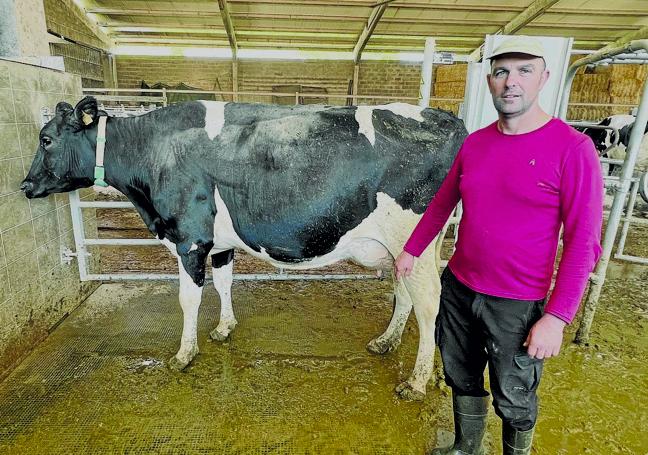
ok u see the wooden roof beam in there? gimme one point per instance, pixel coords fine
(530, 13)
(229, 26)
(363, 39)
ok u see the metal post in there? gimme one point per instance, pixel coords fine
(79, 235)
(628, 218)
(426, 73)
(582, 336)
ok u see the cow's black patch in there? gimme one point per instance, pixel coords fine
(222, 258)
(194, 262)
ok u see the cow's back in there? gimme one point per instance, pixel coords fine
(297, 178)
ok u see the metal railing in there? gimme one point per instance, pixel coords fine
(163, 97)
(627, 184)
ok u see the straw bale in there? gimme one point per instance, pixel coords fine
(630, 99)
(592, 113)
(450, 89)
(625, 88)
(619, 72)
(642, 72)
(451, 73)
(452, 106)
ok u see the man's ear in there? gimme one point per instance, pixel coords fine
(545, 78)
(86, 111)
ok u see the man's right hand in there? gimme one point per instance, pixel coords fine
(404, 264)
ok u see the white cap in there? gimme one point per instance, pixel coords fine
(520, 45)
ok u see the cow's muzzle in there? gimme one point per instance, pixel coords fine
(27, 187)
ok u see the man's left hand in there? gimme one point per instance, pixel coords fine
(545, 337)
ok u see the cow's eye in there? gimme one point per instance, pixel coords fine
(46, 141)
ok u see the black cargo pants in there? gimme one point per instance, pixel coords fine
(473, 330)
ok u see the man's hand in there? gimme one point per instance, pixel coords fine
(404, 264)
(545, 337)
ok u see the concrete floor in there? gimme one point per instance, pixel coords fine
(295, 378)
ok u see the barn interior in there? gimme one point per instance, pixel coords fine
(84, 352)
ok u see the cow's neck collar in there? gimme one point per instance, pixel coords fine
(99, 171)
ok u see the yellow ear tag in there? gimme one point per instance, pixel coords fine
(87, 118)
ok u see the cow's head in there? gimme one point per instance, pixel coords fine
(65, 156)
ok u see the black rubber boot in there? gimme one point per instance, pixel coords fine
(515, 442)
(470, 424)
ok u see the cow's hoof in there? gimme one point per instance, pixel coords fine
(220, 333)
(217, 336)
(406, 392)
(381, 346)
(177, 365)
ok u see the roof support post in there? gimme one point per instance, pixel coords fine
(356, 75)
(426, 73)
(235, 81)
(363, 39)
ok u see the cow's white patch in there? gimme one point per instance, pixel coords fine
(170, 246)
(619, 153)
(364, 115)
(190, 297)
(193, 247)
(364, 244)
(223, 278)
(225, 237)
(404, 110)
(214, 117)
(108, 190)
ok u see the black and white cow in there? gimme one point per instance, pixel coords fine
(604, 138)
(298, 186)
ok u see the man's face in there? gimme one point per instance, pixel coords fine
(515, 81)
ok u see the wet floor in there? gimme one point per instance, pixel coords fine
(295, 378)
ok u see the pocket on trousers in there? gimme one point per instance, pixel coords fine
(525, 374)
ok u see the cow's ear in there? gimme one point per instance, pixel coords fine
(63, 107)
(86, 111)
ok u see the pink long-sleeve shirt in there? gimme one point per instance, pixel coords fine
(516, 191)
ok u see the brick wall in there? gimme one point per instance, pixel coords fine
(64, 18)
(375, 78)
(204, 74)
(389, 78)
(85, 56)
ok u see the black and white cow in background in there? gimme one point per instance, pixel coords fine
(298, 186)
(604, 138)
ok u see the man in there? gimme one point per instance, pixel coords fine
(519, 178)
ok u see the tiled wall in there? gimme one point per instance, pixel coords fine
(36, 290)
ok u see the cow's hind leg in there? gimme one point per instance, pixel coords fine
(222, 266)
(424, 288)
(371, 253)
(391, 338)
(190, 297)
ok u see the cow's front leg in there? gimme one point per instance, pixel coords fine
(222, 266)
(190, 297)
(390, 340)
